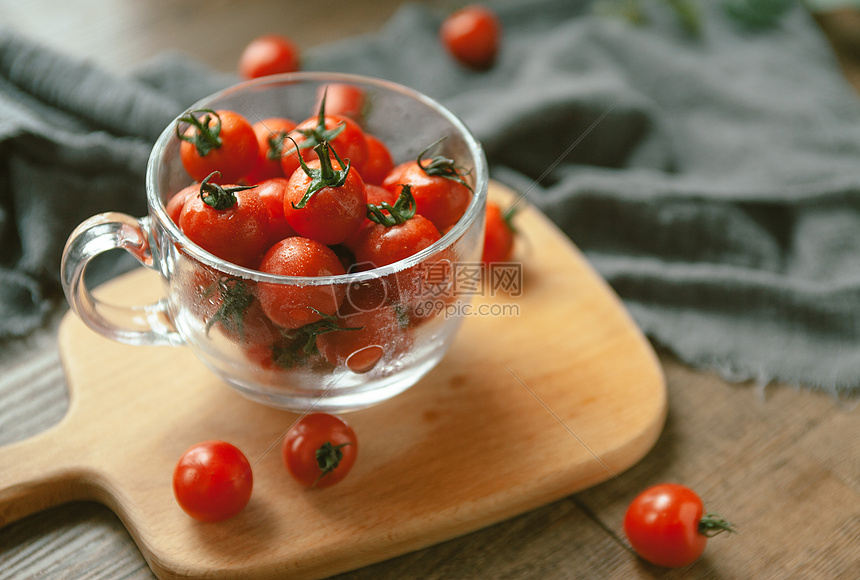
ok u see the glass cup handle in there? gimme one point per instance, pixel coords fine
(138, 325)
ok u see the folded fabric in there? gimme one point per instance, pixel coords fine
(74, 141)
(711, 180)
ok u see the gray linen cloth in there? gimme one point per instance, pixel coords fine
(713, 181)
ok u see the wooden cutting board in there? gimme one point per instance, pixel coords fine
(526, 408)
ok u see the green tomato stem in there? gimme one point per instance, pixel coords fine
(713, 524)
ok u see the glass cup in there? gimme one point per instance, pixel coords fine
(395, 322)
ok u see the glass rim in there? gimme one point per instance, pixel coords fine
(480, 170)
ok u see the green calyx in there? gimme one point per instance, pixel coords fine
(441, 166)
(276, 145)
(235, 298)
(218, 197)
(508, 217)
(712, 524)
(325, 176)
(328, 457)
(402, 210)
(305, 338)
(206, 136)
(319, 133)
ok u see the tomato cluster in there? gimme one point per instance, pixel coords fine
(319, 197)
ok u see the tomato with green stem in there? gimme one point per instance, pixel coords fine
(271, 134)
(364, 337)
(341, 133)
(230, 222)
(396, 233)
(344, 99)
(217, 141)
(228, 305)
(472, 35)
(269, 54)
(376, 195)
(325, 200)
(319, 450)
(293, 305)
(438, 186)
(212, 481)
(666, 525)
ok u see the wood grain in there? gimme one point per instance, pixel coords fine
(525, 409)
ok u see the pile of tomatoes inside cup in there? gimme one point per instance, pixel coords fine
(315, 197)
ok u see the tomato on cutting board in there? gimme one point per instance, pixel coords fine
(212, 481)
(319, 450)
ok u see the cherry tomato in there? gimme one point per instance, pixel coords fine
(271, 134)
(285, 352)
(319, 450)
(229, 306)
(472, 35)
(401, 234)
(665, 525)
(269, 54)
(177, 202)
(379, 162)
(293, 306)
(376, 195)
(221, 141)
(344, 99)
(212, 481)
(325, 201)
(367, 336)
(229, 222)
(342, 134)
(438, 188)
(498, 235)
(271, 193)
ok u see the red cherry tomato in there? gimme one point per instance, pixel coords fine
(325, 202)
(376, 195)
(666, 526)
(498, 235)
(269, 54)
(235, 227)
(212, 481)
(221, 141)
(439, 198)
(177, 202)
(379, 162)
(472, 35)
(271, 193)
(342, 134)
(367, 336)
(319, 450)
(381, 245)
(229, 306)
(342, 99)
(293, 306)
(271, 140)
(394, 233)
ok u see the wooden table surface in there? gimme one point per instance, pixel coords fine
(780, 461)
